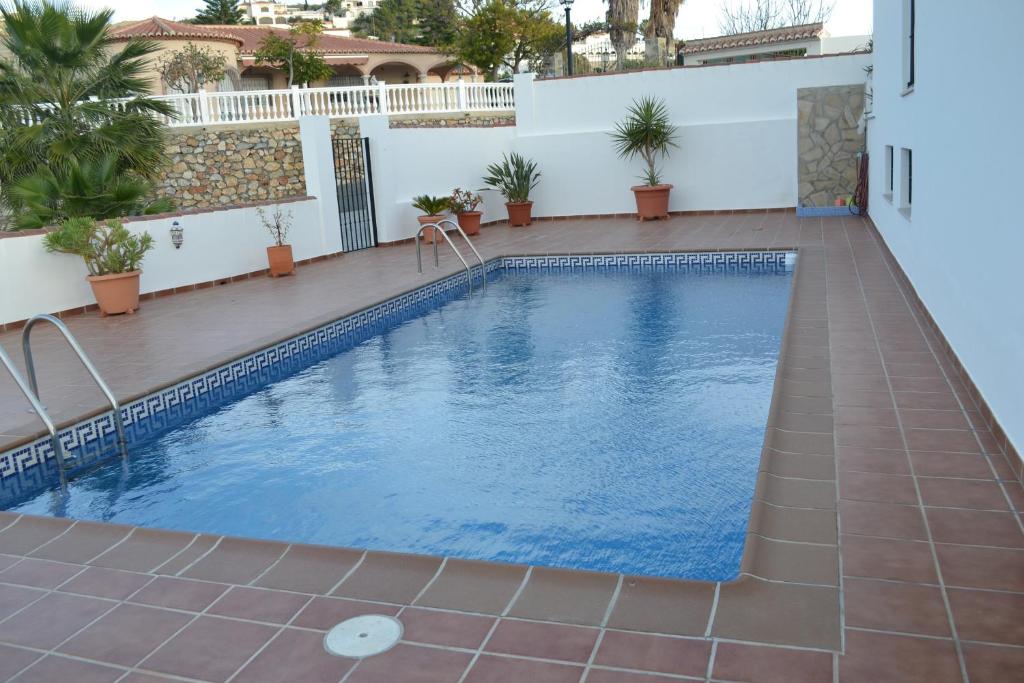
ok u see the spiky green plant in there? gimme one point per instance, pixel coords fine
(514, 177)
(106, 248)
(648, 133)
(57, 81)
(430, 206)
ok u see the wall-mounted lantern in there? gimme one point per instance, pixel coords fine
(177, 234)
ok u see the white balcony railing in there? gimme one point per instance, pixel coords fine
(205, 109)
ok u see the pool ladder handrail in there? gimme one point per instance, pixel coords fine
(438, 229)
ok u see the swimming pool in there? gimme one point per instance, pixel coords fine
(605, 417)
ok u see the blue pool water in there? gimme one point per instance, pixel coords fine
(602, 420)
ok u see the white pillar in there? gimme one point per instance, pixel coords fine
(522, 86)
(366, 79)
(318, 168)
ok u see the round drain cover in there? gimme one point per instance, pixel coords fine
(363, 636)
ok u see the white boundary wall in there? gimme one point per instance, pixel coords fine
(961, 242)
(217, 245)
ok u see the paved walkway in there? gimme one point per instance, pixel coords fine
(885, 543)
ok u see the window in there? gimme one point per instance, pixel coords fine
(888, 172)
(906, 178)
(908, 45)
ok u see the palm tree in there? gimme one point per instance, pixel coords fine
(660, 27)
(622, 22)
(55, 92)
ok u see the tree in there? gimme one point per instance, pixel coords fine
(508, 33)
(55, 85)
(295, 52)
(622, 24)
(762, 15)
(420, 22)
(220, 12)
(660, 29)
(191, 68)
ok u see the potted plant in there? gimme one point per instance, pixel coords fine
(514, 177)
(279, 255)
(112, 256)
(433, 209)
(646, 132)
(463, 204)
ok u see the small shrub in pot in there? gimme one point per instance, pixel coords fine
(280, 260)
(515, 177)
(464, 203)
(433, 209)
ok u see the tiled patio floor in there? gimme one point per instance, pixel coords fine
(887, 544)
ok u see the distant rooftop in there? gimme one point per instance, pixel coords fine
(740, 40)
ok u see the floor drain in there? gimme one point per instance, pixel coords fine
(363, 636)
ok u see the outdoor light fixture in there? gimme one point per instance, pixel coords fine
(177, 234)
(567, 4)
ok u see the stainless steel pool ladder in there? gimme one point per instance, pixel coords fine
(439, 230)
(31, 388)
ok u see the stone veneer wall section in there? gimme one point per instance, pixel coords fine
(476, 120)
(229, 165)
(828, 142)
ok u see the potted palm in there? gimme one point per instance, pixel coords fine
(514, 177)
(463, 203)
(433, 209)
(279, 255)
(646, 132)
(112, 256)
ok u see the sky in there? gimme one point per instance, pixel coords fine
(697, 18)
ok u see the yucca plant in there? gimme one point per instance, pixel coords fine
(648, 133)
(107, 248)
(429, 205)
(514, 177)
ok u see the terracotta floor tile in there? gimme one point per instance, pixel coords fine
(801, 442)
(993, 664)
(494, 669)
(51, 620)
(389, 577)
(28, 533)
(795, 562)
(873, 460)
(14, 659)
(936, 464)
(883, 558)
(616, 676)
(566, 596)
(987, 616)
(39, 573)
(644, 652)
(864, 399)
(799, 465)
(236, 560)
(903, 607)
(962, 493)
(310, 569)
(324, 613)
(794, 524)
(934, 419)
(137, 677)
(258, 604)
(126, 635)
(868, 437)
(452, 629)
(882, 519)
(144, 550)
(663, 606)
(913, 400)
(210, 648)
(53, 668)
(83, 542)
(412, 664)
(802, 493)
(779, 613)
(471, 586)
(949, 440)
(878, 488)
(975, 527)
(973, 567)
(186, 594)
(13, 598)
(101, 582)
(888, 658)
(870, 417)
(295, 655)
(542, 640)
(192, 552)
(755, 664)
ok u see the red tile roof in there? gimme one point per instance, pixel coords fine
(740, 40)
(249, 37)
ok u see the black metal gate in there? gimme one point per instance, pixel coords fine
(355, 193)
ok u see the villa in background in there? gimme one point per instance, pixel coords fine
(777, 43)
(355, 61)
(338, 23)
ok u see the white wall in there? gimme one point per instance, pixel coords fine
(217, 245)
(737, 126)
(412, 161)
(962, 241)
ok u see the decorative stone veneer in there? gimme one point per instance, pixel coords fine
(225, 166)
(453, 120)
(828, 142)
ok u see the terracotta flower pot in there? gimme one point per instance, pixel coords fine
(117, 292)
(428, 234)
(470, 222)
(651, 201)
(280, 260)
(519, 213)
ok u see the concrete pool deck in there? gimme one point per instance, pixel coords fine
(886, 539)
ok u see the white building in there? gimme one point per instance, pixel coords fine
(757, 46)
(945, 151)
(599, 51)
(265, 12)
